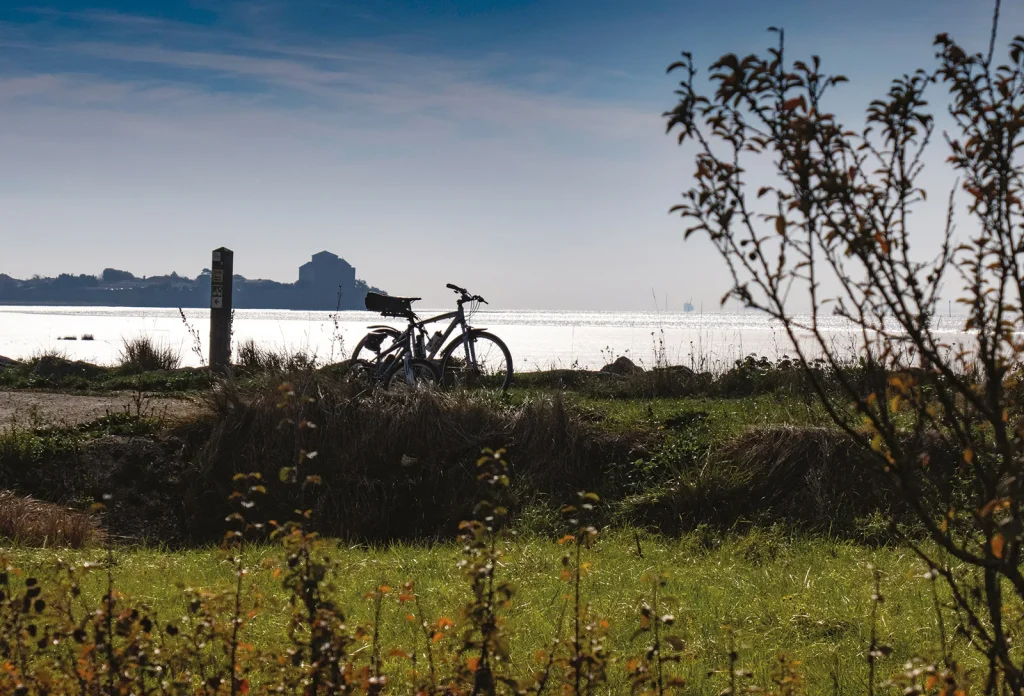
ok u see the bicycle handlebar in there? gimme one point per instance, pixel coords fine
(466, 297)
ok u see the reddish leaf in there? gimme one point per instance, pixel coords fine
(883, 243)
(998, 545)
(791, 104)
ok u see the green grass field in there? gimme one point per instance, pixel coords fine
(807, 598)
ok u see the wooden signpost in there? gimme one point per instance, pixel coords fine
(222, 270)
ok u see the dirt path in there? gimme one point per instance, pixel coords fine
(72, 409)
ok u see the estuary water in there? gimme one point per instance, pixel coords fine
(538, 339)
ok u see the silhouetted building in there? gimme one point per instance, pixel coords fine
(327, 270)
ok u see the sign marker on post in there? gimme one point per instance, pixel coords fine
(222, 273)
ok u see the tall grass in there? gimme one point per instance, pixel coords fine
(143, 354)
(252, 358)
(394, 465)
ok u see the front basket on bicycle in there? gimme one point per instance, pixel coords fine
(389, 306)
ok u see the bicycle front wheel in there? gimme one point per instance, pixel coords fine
(488, 363)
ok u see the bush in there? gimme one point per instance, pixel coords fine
(837, 219)
(394, 466)
(51, 369)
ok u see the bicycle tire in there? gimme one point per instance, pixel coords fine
(497, 368)
(424, 373)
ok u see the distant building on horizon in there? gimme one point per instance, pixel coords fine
(327, 270)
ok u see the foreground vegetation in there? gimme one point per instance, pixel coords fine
(763, 593)
(715, 492)
(711, 490)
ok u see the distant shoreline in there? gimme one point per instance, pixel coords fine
(325, 283)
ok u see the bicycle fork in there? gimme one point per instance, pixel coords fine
(407, 368)
(470, 345)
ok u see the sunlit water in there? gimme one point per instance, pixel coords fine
(537, 339)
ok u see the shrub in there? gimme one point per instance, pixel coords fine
(835, 220)
(54, 366)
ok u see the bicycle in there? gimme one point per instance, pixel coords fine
(397, 365)
(485, 360)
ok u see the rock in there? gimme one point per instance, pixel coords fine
(622, 366)
(7, 362)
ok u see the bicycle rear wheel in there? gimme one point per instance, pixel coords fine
(492, 368)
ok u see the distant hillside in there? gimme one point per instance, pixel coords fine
(320, 281)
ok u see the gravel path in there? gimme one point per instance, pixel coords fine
(72, 409)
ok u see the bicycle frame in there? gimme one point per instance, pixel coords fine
(458, 320)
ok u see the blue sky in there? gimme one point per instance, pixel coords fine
(511, 146)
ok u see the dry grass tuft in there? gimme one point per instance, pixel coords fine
(37, 523)
(143, 354)
(252, 358)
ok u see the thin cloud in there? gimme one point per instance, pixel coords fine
(363, 79)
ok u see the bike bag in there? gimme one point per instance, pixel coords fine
(374, 340)
(389, 306)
